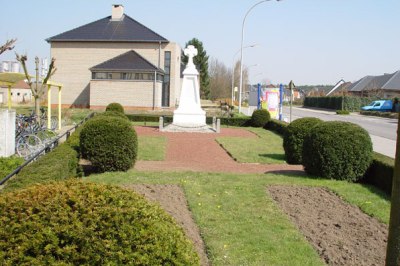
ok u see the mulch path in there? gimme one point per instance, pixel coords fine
(200, 152)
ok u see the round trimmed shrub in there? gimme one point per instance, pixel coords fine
(294, 137)
(259, 118)
(337, 150)
(115, 107)
(114, 114)
(81, 223)
(110, 143)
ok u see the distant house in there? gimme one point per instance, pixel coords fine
(20, 93)
(116, 59)
(384, 86)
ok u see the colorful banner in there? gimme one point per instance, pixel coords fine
(270, 102)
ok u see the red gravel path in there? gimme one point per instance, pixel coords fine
(200, 152)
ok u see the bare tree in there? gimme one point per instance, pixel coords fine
(220, 79)
(37, 87)
(9, 45)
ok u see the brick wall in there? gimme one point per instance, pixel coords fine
(74, 59)
(130, 94)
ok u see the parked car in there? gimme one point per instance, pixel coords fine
(380, 105)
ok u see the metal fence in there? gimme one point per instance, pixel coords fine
(46, 149)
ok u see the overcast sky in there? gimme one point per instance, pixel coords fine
(308, 41)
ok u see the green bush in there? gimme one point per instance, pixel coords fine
(294, 137)
(277, 126)
(342, 112)
(110, 143)
(7, 165)
(259, 118)
(80, 223)
(115, 107)
(114, 114)
(337, 150)
(59, 164)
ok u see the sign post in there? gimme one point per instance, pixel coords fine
(280, 101)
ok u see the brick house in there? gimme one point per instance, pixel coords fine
(116, 59)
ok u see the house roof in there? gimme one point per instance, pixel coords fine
(129, 61)
(386, 82)
(360, 84)
(393, 83)
(107, 30)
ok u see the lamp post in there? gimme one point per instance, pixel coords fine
(241, 52)
(233, 68)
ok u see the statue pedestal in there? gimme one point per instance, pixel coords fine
(189, 111)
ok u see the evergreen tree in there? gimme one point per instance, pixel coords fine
(201, 62)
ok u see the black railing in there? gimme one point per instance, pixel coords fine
(47, 148)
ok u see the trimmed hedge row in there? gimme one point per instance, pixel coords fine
(277, 126)
(227, 121)
(9, 164)
(380, 173)
(59, 164)
(80, 223)
(380, 114)
(350, 103)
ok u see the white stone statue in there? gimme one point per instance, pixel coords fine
(189, 112)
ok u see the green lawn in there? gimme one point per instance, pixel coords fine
(266, 148)
(240, 223)
(152, 148)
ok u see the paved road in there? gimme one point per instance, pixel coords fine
(382, 130)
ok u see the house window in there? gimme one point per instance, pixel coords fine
(18, 94)
(166, 82)
(126, 76)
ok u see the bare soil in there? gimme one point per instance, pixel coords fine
(172, 199)
(341, 233)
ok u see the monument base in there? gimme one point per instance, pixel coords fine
(189, 118)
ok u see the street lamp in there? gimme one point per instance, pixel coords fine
(233, 68)
(241, 52)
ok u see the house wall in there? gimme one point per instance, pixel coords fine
(17, 95)
(131, 94)
(74, 59)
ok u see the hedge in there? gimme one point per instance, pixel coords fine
(277, 126)
(380, 173)
(9, 164)
(350, 103)
(227, 121)
(81, 223)
(380, 114)
(61, 163)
